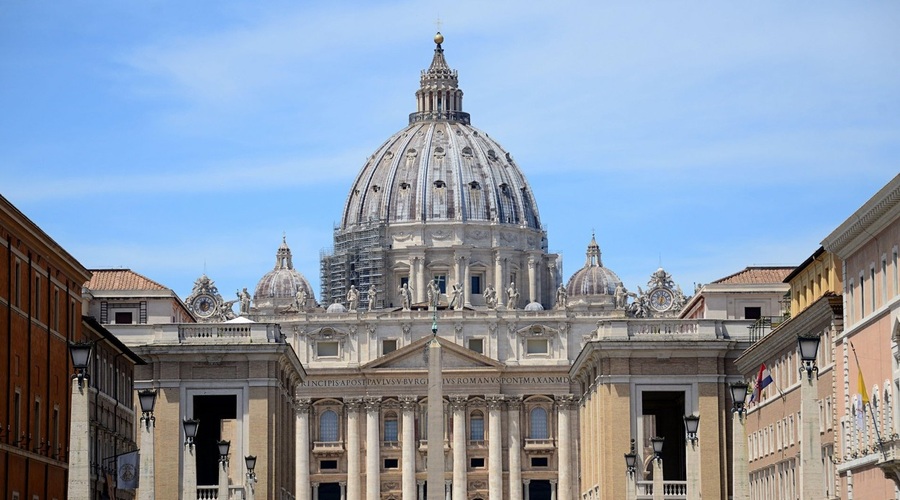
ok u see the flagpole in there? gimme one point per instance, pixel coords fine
(869, 404)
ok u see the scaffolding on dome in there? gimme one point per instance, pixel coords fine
(356, 259)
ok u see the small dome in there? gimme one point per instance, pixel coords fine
(336, 308)
(593, 278)
(279, 286)
(534, 306)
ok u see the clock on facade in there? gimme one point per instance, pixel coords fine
(204, 305)
(661, 299)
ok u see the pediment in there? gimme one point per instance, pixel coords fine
(412, 357)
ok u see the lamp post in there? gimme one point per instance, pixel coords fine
(657, 442)
(740, 481)
(811, 476)
(630, 468)
(250, 462)
(691, 424)
(79, 486)
(147, 488)
(189, 463)
(224, 446)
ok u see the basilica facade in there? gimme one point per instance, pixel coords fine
(544, 382)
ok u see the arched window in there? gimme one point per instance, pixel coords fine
(390, 427)
(476, 426)
(538, 423)
(328, 426)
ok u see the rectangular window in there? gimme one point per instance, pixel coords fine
(404, 280)
(17, 292)
(539, 461)
(17, 417)
(862, 295)
(872, 285)
(441, 280)
(896, 273)
(391, 463)
(477, 463)
(537, 346)
(884, 280)
(56, 309)
(328, 465)
(55, 451)
(327, 349)
(123, 318)
(752, 312)
(475, 284)
(851, 302)
(36, 434)
(388, 346)
(37, 297)
(476, 345)
(390, 430)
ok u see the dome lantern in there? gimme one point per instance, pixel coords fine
(439, 96)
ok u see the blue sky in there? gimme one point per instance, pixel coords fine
(176, 137)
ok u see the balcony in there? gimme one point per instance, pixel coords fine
(539, 445)
(328, 447)
(672, 490)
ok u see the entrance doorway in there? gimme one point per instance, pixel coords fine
(539, 489)
(329, 491)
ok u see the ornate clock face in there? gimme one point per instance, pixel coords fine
(661, 299)
(204, 306)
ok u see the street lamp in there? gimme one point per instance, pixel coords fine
(223, 451)
(631, 460)
(738, 396)
(691, 423)
(81, 358)
(657, 443)
(809, 348)
(250, 461)
(147, 397)
(190, 431)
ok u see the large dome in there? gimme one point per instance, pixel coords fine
(279, 286)
(593, 279)
(440, 168)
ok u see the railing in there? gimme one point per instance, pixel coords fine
(328, 446)
(663, 327)
(390, 444)
(241, 333)
(538, 444)
(672, 490)
(764, 325)
(212, 493)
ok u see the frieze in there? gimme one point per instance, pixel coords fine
(447, 381)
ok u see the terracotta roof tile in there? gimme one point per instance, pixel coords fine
(120, 279)
(756, 275)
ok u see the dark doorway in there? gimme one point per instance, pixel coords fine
(539, 489)
(664, 416)
(210, 411)
(329, 491)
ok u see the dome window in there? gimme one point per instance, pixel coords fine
(376, 188)
(492, 155)
(404, 185)
(504, 188)
(411, 153)
(389, 155)
(467, 152)
(439, 152)
(474, 185)
(440, 184)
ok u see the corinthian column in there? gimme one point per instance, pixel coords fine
(495, 449)
(353, 477)
(408, 448)
(373, 449)
(302, 408)
(564, 443)
(499, 276)
(458, 406)
(513, 408)
(532, 279)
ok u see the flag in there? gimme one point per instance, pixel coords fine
(763, 379)
(860, 415)
(127, 470)
(861, 387)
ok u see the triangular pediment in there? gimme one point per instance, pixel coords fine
(412, 357)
